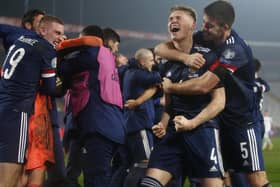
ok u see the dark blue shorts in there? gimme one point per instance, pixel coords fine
(195, 153)
(139, 145)
(13, 136)
(98, 153)
(241, 148)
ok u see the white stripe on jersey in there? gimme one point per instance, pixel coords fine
(218, 148)
(253, 149)
(230, 40)
(22, 138)
(146, 144)
(47, 75)
(233, 41)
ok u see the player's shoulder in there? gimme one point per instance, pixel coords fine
(31, 38)
(236, 43)
(235, 47)
(209, 55)
(198, 39)
(43, 46)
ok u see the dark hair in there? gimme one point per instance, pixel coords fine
(29, 16)
(188, 10)
(258, 64)
(110, 34)
(222, 11)
(92, 30)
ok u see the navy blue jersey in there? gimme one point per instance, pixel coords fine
(122, 69)
(10, 34)
(189, 105)
(235, 58)
(29, 60)
(98, 116)
(135, 81)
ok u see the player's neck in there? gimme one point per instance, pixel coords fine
(184, 45)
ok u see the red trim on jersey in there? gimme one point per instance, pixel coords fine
(226, 66)
(230, 67)
(214, 65)
(48, 71)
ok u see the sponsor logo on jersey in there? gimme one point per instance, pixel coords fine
(213, 169)
(245, 163)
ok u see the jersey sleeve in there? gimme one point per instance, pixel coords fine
(147, 78)
(233, 57)
(265, 87)
(48, 58)
(48, 67)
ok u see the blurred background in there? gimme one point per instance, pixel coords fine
(143, 23)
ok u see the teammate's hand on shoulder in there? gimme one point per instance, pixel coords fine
(159, 130)
(195, 60)
(183, 124)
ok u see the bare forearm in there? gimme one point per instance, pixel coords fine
(165, 115)
(170, 52)
(213, 108)
(167, 50)
(196, 86)
(190, 87)
(164, 119)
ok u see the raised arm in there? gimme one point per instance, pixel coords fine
(167, 50)
(196, 86)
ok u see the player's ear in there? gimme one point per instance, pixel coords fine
(110, 43)
(141, 62)
(42, 30)
(27, 25)
(194, 26)
(226, 26)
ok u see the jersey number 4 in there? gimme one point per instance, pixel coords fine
(12, 60)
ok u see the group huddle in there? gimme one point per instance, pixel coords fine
(189, 107)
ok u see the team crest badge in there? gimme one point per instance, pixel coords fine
(229, 54)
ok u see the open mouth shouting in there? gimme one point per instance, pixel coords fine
(174, 28)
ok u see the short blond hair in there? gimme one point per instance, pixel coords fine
(188, 10)
(142, 53)
(50, 19)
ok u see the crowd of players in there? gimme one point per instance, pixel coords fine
(187, 108)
